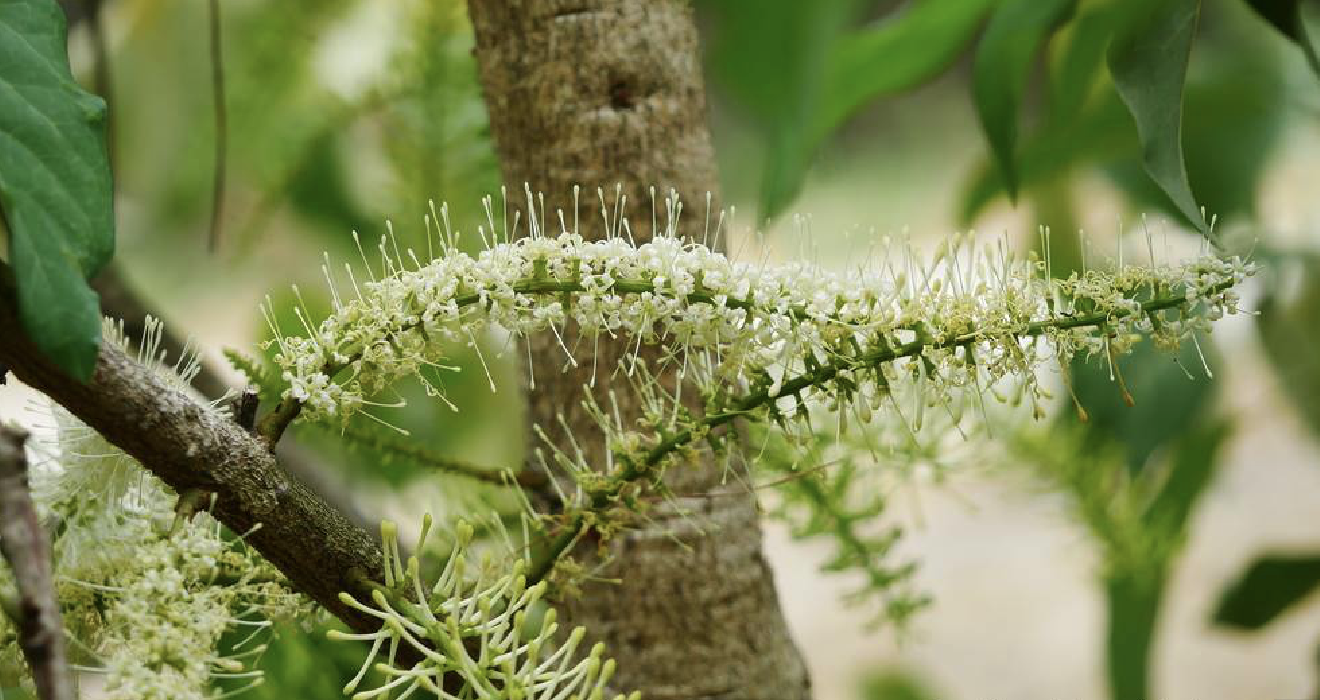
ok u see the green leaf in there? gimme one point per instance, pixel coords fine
(1003, 63)
(1166, 402)
(1287, 330)
(1190, 470)
(1238, 90)
(896, 55)
(1149, 67)
(769, 55)
(55, 188)
(1286, 16)
(799, 73)
(1102, 131)
(1235, 113)
(895, 684)
(1271, 585)
(1076, 64)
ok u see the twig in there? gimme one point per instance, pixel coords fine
(102, 72)
(221, 126)
(27, 549)
(357, 435)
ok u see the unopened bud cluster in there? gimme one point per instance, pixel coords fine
(476, 627)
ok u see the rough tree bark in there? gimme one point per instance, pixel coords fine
(598, 93)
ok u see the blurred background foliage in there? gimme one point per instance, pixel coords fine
(343, 114)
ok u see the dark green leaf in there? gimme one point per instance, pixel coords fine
(1286, 16)
(1235, 108)
(1003, 63)
(1271, 585)
(1237, 90)
(55, 189)
(1149, 68)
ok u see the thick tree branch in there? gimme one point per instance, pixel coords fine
(191, 446)
(27, 549)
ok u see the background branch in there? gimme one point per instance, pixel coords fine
(27, 549)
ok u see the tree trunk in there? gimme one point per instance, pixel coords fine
(600, 93)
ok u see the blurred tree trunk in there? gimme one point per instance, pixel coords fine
(598, 93)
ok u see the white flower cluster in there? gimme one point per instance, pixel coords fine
(969, 316)
(145, 599)
(475, 633)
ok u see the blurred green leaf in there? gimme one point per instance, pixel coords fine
(1102, 131)
(799, 73)
(55, 187)
(1287, 330)
(1237, 88)
(319, 189)
(1132, 607)
(1135, 587)
(1166, 402)
(895, 684)
(898, 54)
(1080, 53)
(770, 56)
(1149, 68)
(1286, 16)
(1270, 586)
(1016, 33)
(1189, 473)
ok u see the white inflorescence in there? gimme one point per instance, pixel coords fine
(475, 626)
(969, 316)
